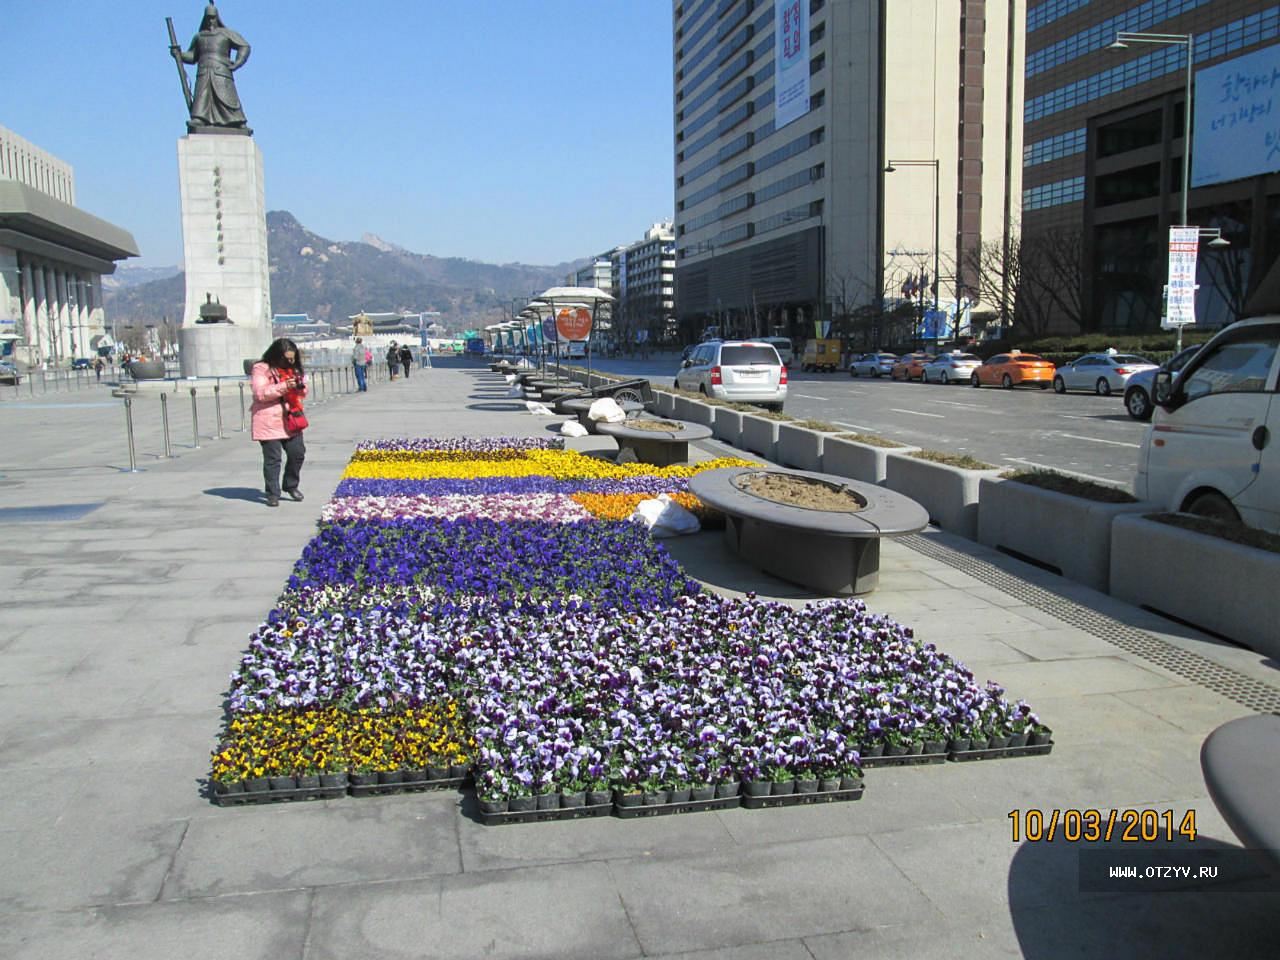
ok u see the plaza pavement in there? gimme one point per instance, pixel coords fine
(118, 630)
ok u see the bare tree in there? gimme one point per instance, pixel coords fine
(1041, 277)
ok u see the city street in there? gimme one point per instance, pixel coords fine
(1026, 426)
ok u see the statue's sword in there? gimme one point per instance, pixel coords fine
(176, 52)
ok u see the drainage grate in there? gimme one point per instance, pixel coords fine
(1224, 681)
(57, 513)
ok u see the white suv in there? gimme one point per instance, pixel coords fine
(741, 371)
(784, 348)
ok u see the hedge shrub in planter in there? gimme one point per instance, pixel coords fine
(942, 485)
(846, 456)
(800, 444)
(1225, 587)
(1069, 532)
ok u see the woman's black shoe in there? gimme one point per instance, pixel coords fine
(273, 501)
(295, 495)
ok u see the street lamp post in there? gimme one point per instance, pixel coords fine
(891, 167)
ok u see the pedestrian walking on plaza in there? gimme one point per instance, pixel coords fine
(98, 367)
(359, 360)
(406, 360)
(393, 359)
(278, 422)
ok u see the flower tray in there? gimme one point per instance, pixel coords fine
(406, 786)
(799, 799)
(540, 816)
(239, 794)
(683, 806)
(995, 753)
(905, 760)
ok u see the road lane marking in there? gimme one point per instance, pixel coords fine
(809, 396)
(854, 426)
(918, 413)
(957, 403)
(1073, 473)
(1114, 443)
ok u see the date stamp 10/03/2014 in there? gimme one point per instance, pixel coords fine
(1075, 825)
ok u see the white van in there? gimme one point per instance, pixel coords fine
(1211, 449)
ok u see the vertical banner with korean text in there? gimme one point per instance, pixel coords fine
(1184, 243)
(790, 61)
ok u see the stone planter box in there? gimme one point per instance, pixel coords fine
(703, 413)
(664, 403)
(857, 461)
(683, 407)
(1071, 534)
(800, 447)
(950, 494)
(149, 369)
(1221, 586)
(727, 426)
(759, 435)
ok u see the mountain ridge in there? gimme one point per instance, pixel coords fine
(331, 280)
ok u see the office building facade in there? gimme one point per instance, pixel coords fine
(53, 256)
(1105, 142)
(785, 216)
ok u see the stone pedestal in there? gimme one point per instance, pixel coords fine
(224, 234)
(218, 349)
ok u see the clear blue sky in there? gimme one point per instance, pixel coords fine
(499, 130)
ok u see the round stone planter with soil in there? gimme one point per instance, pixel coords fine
(815, 529)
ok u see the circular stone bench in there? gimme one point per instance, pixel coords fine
(829, 551)
(1241, 765)
(659, 447)
(578, 406)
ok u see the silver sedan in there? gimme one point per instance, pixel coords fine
(1101, 373)
(951, 368)
(872, 365)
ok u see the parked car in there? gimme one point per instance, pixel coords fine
(955, 367)
(9, 373)
(1102, 373)
(1137, 392)
(744, 371)
(783, 346)
(872, 364)
(910, 366)
(1010, 369)
(1212, 449)
(82, 363)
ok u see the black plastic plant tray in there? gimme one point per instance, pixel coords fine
(247, 797)
(996, 753)
(904, 760)
(665, 809)
(406, 786)
(799, 799)
(542, 816)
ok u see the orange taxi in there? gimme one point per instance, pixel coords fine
(1011, 369)
(910, 367)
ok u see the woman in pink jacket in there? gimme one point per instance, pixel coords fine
(278, 388)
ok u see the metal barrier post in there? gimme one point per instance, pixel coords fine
(217, 406)
(195, 422)
(31, 382)
(242, 406)
(164, 421)
(128, 423)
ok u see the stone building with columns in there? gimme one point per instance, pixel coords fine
(53, 256)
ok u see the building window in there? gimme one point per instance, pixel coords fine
(1053, 194)
(1130, 134)
(1233, 36)
(1136, 183)
(1054, 148)
(1097, 37)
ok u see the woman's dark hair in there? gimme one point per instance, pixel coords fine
(274, 357)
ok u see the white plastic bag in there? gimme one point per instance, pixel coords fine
(509, 377)
(606, 409)
(538, 409)
(665, 517)
(572, 428)
(515, 393)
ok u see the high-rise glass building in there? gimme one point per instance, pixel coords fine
(1104, 147)
(787, 113)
